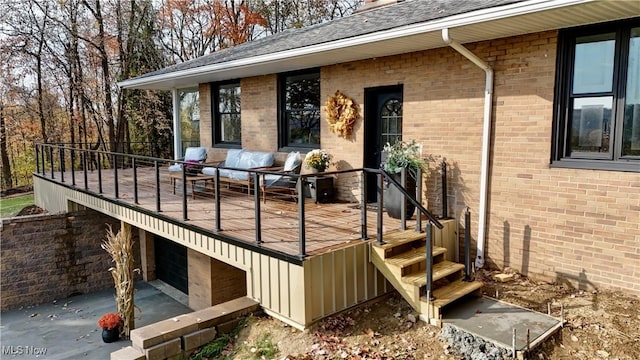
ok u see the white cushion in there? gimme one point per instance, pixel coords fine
(292, 162)
(209, 170)
(233, 157)
(261, 159)
(244, 162)
(175, 167)
(195, 153)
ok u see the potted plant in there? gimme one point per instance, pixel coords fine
(317, 160)
(396, 157)
(110, 324)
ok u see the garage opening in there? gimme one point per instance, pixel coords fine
(171, 263)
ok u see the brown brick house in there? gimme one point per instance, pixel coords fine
(535, 105)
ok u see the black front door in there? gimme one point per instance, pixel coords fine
(382, 125)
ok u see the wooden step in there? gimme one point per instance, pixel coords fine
(396, 238)
(452, 292)
(440, 270)
(413, 256)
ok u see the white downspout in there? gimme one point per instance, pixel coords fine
(486, 141)
(177, 126)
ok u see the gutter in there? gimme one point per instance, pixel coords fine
(486, 140)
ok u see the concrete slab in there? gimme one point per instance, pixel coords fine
(67, 329)
(494, 321)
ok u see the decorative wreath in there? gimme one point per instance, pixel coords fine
(342, 113)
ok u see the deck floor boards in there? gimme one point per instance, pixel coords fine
(327, 226)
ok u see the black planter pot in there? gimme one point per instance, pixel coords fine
(393, 198)
(110, 336)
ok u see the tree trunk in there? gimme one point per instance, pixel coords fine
(6, 165)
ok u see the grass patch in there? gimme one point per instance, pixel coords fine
(221, 348)
(264, 348)
(11, 206)
(214, 349)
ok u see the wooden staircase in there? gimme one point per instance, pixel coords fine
(402, 260)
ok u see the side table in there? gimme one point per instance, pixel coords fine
(320, 188)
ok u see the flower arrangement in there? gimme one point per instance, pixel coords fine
(317, 159)
(402, 155)
(110, 321)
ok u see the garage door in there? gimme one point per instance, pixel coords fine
(171, 263)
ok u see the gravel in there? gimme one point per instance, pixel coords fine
(472, 347)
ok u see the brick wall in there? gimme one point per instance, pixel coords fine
(579, 226)
(47, 257)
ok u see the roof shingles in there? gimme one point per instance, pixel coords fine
(379, 19)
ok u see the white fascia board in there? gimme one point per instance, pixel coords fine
(474, 17)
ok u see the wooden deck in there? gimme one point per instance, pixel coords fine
(327, 226)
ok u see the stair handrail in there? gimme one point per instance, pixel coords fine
(429, 230)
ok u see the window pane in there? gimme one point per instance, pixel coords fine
(391, 117)
(591, 124)
(228, 120)
(189, 117)
(593, 64)
(631, 127)
(302, 109)
(303, 127)
(230, 127)
(229, 98)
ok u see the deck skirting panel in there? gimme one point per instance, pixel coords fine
(298, 294)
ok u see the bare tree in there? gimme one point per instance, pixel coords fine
(281, 15)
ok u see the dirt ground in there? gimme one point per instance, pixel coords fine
(599, 325)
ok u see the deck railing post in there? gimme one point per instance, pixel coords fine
(51, 162)
(216, 194)
(115, 176)
(256, 205)
(84, 172)
(135, 180)
(363, 205)
(380, 205)
(445, 206)
(61, 162)
(36, 147)
(419, 199)
(73, 166)
(403, 203)
(184, 193)
(429, 258)
(300, 186)
(42, 159)
(157, 171)
(99, 166)
(467, 245)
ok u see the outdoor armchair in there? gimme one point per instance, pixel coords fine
(196, 155)
(282, 182)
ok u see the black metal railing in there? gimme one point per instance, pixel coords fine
(61, 160)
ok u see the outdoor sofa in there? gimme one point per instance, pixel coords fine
(237, 166)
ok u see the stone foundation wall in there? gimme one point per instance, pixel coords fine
(47, 257)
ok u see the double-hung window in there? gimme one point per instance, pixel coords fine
(299, 109)
(226, 109)
(597, 104)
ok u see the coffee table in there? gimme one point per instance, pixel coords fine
(191, 179)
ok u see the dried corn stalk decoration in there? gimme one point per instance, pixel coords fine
(342, 113)
(120, 247)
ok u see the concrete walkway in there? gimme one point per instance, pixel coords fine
(68, 329)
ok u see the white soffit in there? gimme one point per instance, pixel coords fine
(385, 44)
